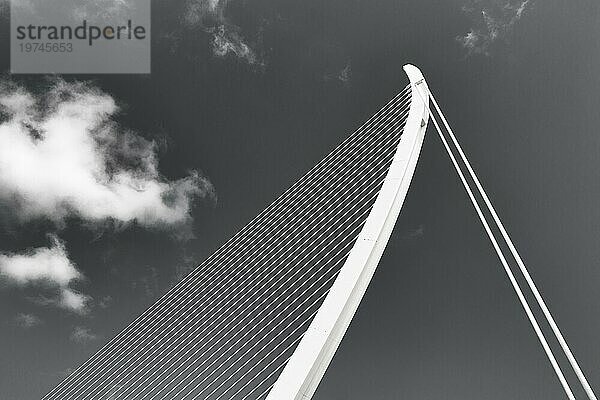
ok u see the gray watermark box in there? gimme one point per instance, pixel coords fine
(80, 37)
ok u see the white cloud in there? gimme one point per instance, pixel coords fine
(27, 321)
(82, 334)
(61, 155)
(49, 266)
(492, 21)
(42, 264)
(74, 301)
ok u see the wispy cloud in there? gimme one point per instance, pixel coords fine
(344, 75)
(47, 266)
(62, 154)
(82, 335)
(493, 21)
(227, 39)
(27, 321)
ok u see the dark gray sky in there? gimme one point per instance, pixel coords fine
(440, 320)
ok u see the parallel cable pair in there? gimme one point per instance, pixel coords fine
(506, 237)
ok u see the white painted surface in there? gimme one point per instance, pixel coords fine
(301, 376)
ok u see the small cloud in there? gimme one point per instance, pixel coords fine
(346, 74)
(66, 299)
(82, 335)
(493, 21)
(71, 300)
(27, 321)
(46, 266)
(49, 264)
(227, 39)
(343, 75)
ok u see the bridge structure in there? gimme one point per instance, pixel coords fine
(263, 316)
